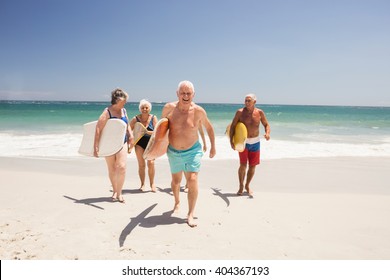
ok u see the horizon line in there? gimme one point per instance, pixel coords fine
(164, 102)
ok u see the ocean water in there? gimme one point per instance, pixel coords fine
(54, 129)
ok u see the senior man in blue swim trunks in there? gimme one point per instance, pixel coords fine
(184, 150)
(252, 117)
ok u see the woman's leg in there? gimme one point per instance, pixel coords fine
(151, 172)
(120, 169)
(139, 151)
(110, 160)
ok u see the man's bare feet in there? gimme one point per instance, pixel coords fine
(240, 190)
(153, 187)
(176, 208)
(142, 188)
(249, 191)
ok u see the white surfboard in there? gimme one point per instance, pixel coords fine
(139, 131)
(111, 139)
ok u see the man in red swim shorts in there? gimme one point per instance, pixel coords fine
(251, 117)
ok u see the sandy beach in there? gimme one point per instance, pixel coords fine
(303, 209)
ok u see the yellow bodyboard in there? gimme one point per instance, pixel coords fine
(240, 136)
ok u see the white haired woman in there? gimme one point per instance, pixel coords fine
(149, 121)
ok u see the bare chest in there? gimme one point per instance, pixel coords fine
(251, 119)
(183, 121)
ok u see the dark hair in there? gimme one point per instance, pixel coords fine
(118, 94)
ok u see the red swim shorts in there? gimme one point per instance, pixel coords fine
(251, 154)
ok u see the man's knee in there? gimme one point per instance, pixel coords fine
(252, 169)
(176, 178)
(192, 179)
(243, 166)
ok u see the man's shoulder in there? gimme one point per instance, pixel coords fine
(259, 110)
(198, 108)
(170, 104)
(240, 110)
(167, 109)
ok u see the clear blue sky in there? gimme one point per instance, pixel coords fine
(333, 52)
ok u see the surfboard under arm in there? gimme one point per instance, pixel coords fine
(239, 137)
(139, 131)
(158, 142)
(111, 139)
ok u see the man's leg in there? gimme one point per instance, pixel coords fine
(249, 176)
(254, 160)
(175, 185)
(192, 184)
(241, 177)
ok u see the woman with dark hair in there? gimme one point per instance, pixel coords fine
(116, 163)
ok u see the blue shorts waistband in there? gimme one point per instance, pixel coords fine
(255, 147)
(195, 146)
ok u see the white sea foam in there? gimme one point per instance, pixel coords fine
(66, 146)
(278, 149)
(42, 145)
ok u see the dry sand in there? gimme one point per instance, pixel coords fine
(303, 209)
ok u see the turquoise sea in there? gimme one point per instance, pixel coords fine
(54, 129)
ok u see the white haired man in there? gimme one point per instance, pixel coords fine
(251, 117)
(184, 150)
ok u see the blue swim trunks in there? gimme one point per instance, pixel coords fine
(185, 160)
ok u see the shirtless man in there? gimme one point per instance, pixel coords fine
(251, 117)
(184, 150)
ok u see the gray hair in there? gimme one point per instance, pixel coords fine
(144, 102)
(251, 95)
(118, 94)
(186, 84)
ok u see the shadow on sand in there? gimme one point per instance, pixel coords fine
(148, 222)
(225, 196)
(90, 201)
